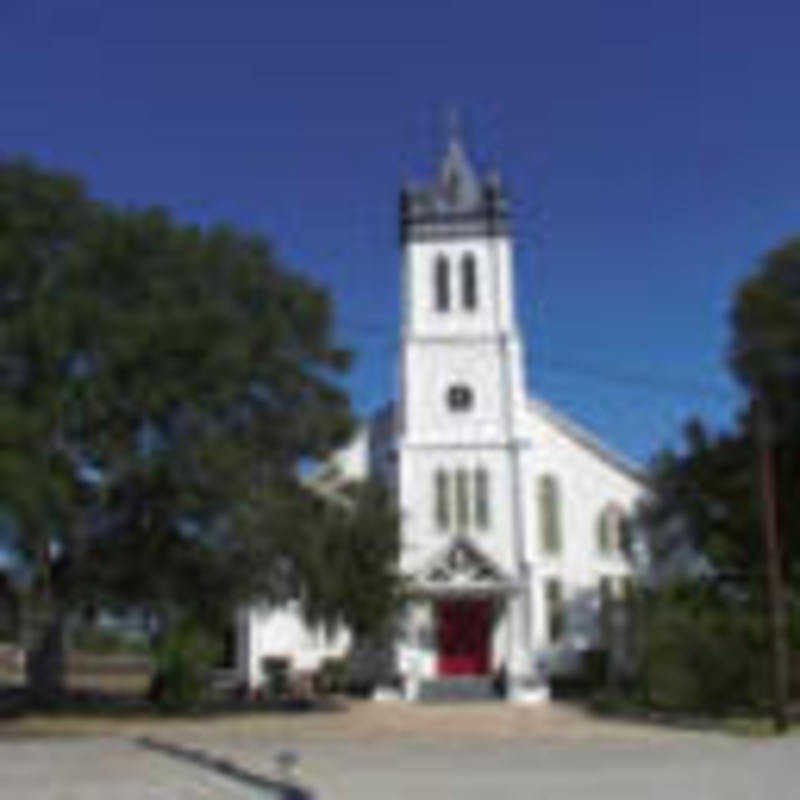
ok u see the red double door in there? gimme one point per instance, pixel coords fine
(464, 636)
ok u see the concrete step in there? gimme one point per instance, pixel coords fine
(469, 687)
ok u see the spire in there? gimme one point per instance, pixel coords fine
(456, 202)
(458, 183)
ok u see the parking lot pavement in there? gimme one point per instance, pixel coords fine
(104, 769)
(714, 769)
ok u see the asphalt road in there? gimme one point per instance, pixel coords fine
(703, 768)
(696, 768)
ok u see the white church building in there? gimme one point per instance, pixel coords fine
(512, 517)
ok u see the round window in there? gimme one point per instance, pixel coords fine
(459, 397)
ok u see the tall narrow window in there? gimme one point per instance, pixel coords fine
(442, 283)
(442, 499)
(481, 498)
(625, 533)
(550, 514)
(554, 602)
(462, 499)
(604, 531)
(469, 285)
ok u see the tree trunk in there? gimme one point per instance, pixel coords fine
(45, 655)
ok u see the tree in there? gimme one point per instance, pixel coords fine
(158, 385)
(713, 484)
(766, 358)
(721, 488)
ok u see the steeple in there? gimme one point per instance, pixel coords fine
(457, 203)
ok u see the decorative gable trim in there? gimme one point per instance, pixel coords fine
(461, 566)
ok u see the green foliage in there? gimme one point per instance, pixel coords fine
(183, 661)
(705, 650)
(712, 487)
(158, 384)
(707, 646)
(350, 565)
(709, 494)
(766, 325)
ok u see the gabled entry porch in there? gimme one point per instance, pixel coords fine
(458, 638)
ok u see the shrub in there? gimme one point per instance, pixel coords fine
(183, 661)
(703, 652)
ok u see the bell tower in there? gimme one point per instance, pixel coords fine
(462, 374)
(463, 389)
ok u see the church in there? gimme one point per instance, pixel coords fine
(513, 519)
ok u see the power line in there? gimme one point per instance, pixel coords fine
(601, 372)
(626, 378)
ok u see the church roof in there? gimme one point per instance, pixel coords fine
(588, 440)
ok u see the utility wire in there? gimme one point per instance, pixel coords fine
(600, 372)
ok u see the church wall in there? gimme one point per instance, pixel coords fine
(280, 632)
(436, 366)
(588, 484)
(421, 534)
(514, 439)
(353, 460)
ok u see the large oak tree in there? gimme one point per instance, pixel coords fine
(159, 384)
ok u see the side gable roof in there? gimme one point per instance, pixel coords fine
(588, 441)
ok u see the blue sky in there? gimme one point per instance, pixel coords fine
(651, 148)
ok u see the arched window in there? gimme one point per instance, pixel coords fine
(604, 531)
(442, 283)
(469, 284)
(550, 514)
(610, 529)
(442, 490)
